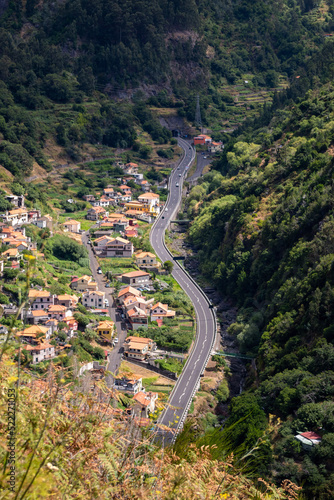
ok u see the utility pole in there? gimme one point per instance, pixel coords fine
(198, 118)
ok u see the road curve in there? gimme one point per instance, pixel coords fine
(188, 382)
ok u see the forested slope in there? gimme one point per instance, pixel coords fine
(264, 231)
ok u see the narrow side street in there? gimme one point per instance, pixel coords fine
(114, 357)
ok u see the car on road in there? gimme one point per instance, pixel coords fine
(180, 175)
(116, 340)
(99, 271)
(106, 301)
(177, 184)
(107, 285)
(204, 157)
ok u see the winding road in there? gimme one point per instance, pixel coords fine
(180, 399)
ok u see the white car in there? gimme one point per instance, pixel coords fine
(180, 175)
(99, 271)
(116, 340)
(177, 184)
(106, 302)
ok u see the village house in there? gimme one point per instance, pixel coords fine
(34, 334)
(121, 225)
(41, 222)
(17, 201)
(132, 301)
(130, 232)
(108, 191)
(202, 140)
(145, 185)
(41, 352)
(101, 242)
(215, 147)
(96, 213)
(129, 291)
(16, 216)
(104, 201)
(72, 325)
(72, 226)
(83, 284)
(146, 259)
(93, 299)
(88, 197)
(132, 384)
(131, 168)
(125, 189)
(37, 316)
(144, 403)
(58, 312)
(105, 330)
(138, 347)
(40, 299)
(308, 439)
(151, 201)
(67, 300)
(160, 311)
(119, 247)
(138, 177)
(136, 278)
(137, 317)
(33, 215)
(11, 254)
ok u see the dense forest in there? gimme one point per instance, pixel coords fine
(263, 226)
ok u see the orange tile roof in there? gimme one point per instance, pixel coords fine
(139, 340)
(129, 289)
(135, 274)
(39, 312)
(106, 324)
(162, 306)
(148, 196)
(144, 398)
(57, 308)
(66, 296)
(136, 311)
(33, 294)
(141, 255)
(39, 347)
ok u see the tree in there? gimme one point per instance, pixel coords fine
(82, 320)
(10, 274)
(90, 334)
(168, 265)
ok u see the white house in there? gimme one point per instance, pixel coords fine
(72, 226)
(161, 311)
(17, 216)
(40, 352)
(93, 299)
(151, 201)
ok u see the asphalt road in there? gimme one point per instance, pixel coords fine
(187, 384)
(114, 358)
(201, 164)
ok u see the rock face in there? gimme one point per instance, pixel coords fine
(3, 6)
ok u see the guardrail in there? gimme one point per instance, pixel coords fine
(185, 412)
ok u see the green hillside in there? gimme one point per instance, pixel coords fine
(263, 227)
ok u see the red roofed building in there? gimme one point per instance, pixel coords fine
(144, 403)
(308, 439)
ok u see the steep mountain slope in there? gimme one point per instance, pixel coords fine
(264, 231)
